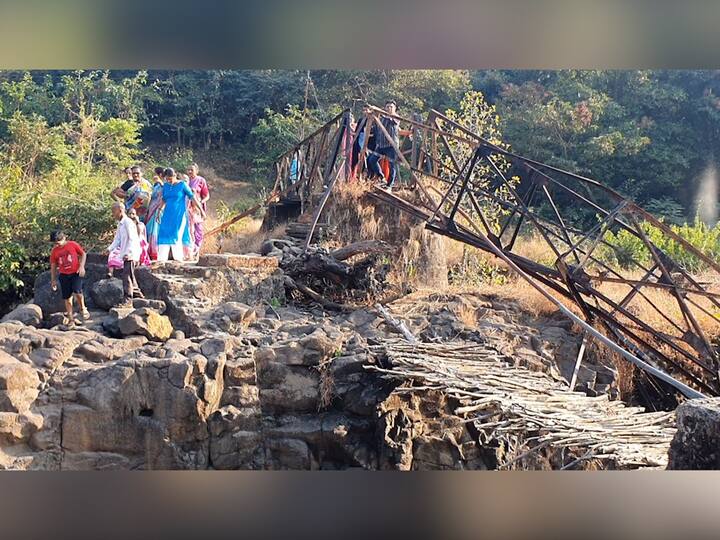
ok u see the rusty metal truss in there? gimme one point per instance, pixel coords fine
(482, 194)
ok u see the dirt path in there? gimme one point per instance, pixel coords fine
(227, 190)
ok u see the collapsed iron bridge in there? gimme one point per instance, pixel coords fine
(652, 311)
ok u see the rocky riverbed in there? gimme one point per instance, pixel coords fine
(217, 370)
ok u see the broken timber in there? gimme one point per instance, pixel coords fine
(527, 412)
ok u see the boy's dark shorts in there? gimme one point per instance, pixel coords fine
(69, 284)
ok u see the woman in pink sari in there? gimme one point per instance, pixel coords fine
(198, 185)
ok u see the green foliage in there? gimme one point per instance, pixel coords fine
(57, 171)
(64, 135)
(176, 157)
(277, 132)
(645, 133)
(424, 89)
(481, 118)
(476, 268)
(630, 247)
(12, 255)
(414, 90)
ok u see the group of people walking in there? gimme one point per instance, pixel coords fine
(171, 210)
(155, 220)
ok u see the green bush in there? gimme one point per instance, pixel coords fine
(176, 157)
(56, 172)
(629, 247)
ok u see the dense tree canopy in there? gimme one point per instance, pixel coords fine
(647, 133)
(64, 135)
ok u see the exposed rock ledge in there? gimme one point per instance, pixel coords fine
(242, 383)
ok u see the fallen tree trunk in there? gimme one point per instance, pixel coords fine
(365, 247)
(340, 281)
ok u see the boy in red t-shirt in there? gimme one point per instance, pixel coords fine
(68, 259)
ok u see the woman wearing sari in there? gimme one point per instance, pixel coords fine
(137, 196)
(198, 185)
(173, 230)
(152, 218)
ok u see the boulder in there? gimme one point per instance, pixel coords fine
(103, 349)
(696, 445)
(107, 293)
(55, 319)
(289, 454)
(30, 314)
(311, 350)
(19, 384)
(49, 301)
(140, 409)
(286, 388)
(18, 428)
(157, 305)
(146, 322)
(236, 312)
(273, 246)
(111, 323)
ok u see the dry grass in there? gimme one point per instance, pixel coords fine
(247, 239)
(467, 314)
(419, 258)
(535, 248)
(666, 307)
(527, 297)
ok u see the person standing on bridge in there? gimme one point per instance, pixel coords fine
(198, 185)
(384, 146)
(174, 230)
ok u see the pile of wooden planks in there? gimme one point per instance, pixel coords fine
(526, 412)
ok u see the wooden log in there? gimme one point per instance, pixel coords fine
(362, 247)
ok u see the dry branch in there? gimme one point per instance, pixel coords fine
(399, 326)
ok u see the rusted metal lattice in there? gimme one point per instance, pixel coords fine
(660, 315)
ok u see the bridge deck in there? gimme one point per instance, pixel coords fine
(528, 412)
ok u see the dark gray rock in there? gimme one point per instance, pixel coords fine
(51, 301)
(111, 323)
(55, 319)
(274, 247)
(29, 314)
(107, 293)
(157, 305)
